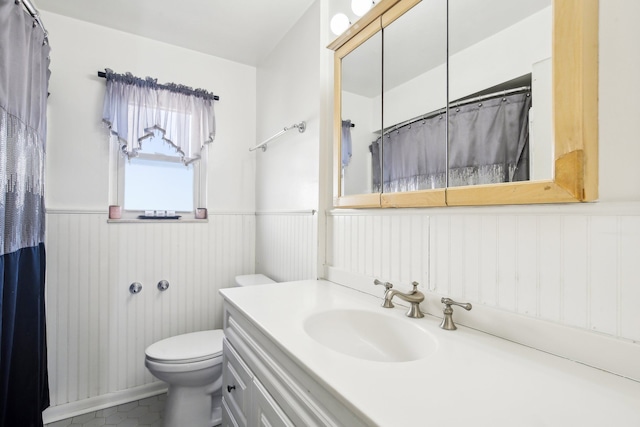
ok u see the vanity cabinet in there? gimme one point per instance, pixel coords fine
(263, 386)
(316, 373)
(247, 402)
(237, 379)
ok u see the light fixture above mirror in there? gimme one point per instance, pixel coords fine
(340, 22)
(360, 7)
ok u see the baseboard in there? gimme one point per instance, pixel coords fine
(92, 404)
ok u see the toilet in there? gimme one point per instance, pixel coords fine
(192, 366)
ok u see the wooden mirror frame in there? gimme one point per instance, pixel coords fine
(575, 116)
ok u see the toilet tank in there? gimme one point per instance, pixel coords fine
(253, 279)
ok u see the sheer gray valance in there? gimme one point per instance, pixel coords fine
(135, 107)
(488, 142)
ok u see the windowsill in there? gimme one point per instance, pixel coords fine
(155, 221)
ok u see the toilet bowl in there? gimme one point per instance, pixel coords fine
(192, 366)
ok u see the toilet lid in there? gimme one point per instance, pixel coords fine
(191, 347)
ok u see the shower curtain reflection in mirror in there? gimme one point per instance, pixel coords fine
(488, 144)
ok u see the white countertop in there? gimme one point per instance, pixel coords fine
(472, 379)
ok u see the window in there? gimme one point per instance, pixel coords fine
(159, 135)
(157, 179)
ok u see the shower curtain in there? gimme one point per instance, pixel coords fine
(24, 76)
(488, 143)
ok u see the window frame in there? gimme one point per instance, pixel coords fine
(117, 183)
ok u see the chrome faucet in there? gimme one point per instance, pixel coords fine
(414, 297)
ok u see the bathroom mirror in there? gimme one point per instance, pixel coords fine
(499, 91)
(553, 50)
(361, 120)
(415, 99)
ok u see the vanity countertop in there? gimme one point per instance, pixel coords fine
(472, 379)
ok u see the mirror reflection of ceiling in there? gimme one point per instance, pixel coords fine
(469, 22)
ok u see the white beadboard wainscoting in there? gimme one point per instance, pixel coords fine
(286, 245)
(97, 330)
(570, 266)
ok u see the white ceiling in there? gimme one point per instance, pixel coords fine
(244, 31)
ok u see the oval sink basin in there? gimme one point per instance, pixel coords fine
(370, 336)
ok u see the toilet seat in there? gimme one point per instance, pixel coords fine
(187, 348)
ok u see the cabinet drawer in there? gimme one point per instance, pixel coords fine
(236, 384)
(266, 411)
(228, 419)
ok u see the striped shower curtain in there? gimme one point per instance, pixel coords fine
(24, 76)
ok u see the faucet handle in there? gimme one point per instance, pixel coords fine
(386, 303)
(447, 320)
(386, 285)
(448, 302)
(415, 287)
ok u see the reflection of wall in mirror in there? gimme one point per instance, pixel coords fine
(541, 138)
(483, 65)
(501, 57)
(475, 68)
(357, 174)
(401, 102)
(521, 49)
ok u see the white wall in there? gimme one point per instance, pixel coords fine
(501, 57)
(619, 89)
(77, 156)
(288, 92)
(287, 180)
(97, 331)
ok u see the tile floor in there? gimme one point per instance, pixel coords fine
(145, 412)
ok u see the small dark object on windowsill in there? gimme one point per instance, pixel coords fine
(159, 217)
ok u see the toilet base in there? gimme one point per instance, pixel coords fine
(193, 406)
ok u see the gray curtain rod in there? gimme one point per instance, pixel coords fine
(413, 120)
(34, 13)
(490, 96)
(104, 76)
(456, 104)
